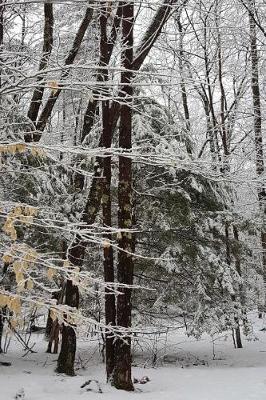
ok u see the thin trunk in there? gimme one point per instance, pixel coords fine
(1, 49)
(1, 328)
(122, 371)
(211, 113)
(236, 328)
(188, 140)
(225, 168)
(241, 288)
(223, 102)
(210, 134)
(49, 325)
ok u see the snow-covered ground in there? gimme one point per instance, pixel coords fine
(192, 370)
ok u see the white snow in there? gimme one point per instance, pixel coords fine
(233, 374)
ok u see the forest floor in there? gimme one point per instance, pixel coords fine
(186, 369)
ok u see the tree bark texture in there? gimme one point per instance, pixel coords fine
(46, 52)
(66, 359)
(122, 371)
(259, 154)
(110, 306)
(35, 136)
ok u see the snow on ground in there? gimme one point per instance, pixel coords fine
(190, 371)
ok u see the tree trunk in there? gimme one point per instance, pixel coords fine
(122, 371)
(188, 139)
(66, 359)
(238, 336)
(49, 325)
(1, 37)
(46, 112)
(1, 328)
(96, 190)
(258, 137)
(110, 311)
(236, 328)
(47, 49)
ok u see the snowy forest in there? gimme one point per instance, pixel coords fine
(132, 199)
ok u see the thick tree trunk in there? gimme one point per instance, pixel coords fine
(258, 137)
(1, 36)
(96, 190)
(66, 359)
(47, 49)
(1, 23)
(122, 371)
(110, 310)
(106, 50)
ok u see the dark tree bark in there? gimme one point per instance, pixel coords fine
(154, 30)
(54, 338)
(77, 250)
(35, 136)
(151, 35)
(253, 14)
(1, 35)
(183, 84)
(149, 39)
(110, 310)
(1, 329)
(46, 52)
(236, 328)
(68, 349)
(225, 169)
(2, 22)
(49, 325)
(66, 359)
(122, 371)
(259, 153)
(241, 288)
(107, 46)
(49, 322)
